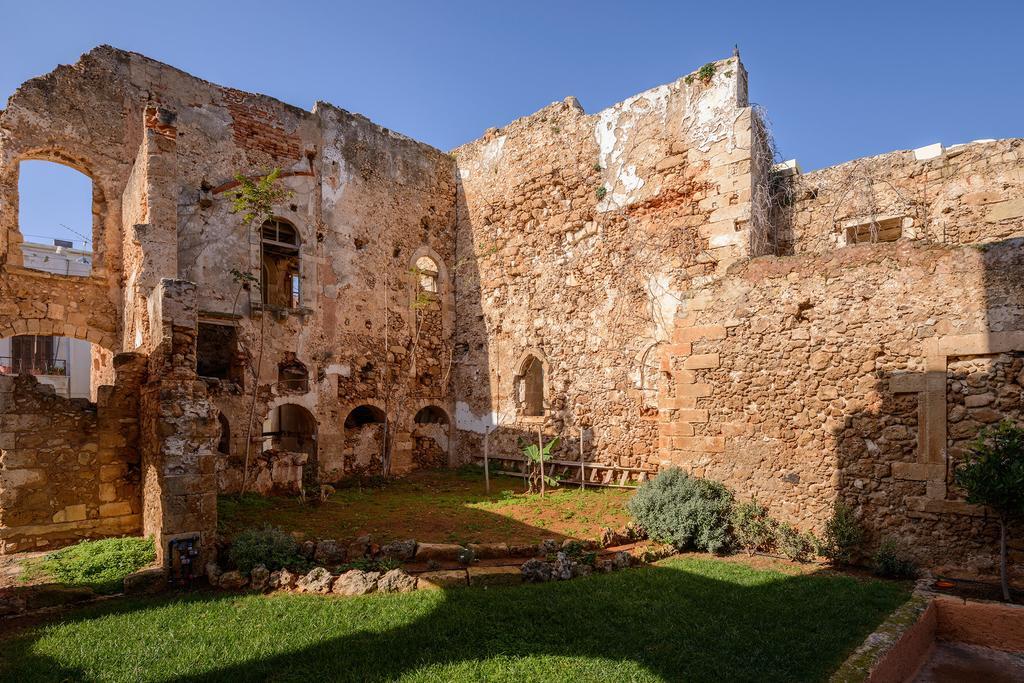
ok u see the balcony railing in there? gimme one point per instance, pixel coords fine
(54, 367)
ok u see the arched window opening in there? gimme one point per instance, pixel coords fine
(431, 415)
(530, 388)
(224, 443)
(292, 374)
(281, 283)
(55, 218)
(426, 274)
(364, 415)
(291, 428)
(73, 367)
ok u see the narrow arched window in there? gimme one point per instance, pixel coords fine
(426, 274)
(55, 218)
(531, 387)
(280, 282)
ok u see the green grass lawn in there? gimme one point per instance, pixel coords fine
(689, 618)
(436, 506)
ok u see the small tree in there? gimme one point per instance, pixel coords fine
(535, 457)
(992, 474)
(255, 200)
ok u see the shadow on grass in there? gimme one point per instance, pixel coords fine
(686, 619)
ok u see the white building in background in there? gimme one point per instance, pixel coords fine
(61, 362)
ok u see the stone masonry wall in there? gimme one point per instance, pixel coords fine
(69, 469)
(811, 379)
(578, 235)
(959, 195)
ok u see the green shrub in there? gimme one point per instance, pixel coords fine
(794, 545)
(270, 546)
(688, 512)
(892, 562)
(752, 528)
(843, 535)
(100, 565)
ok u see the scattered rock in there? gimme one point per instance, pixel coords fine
(307, 549)
(259, 577)
(274, 580)
(232, 580)
(396, 581)
(213, 572)
(328, 552)
(359, 548)
(12, 603)
(440, 580)
(610, 538)
(438, 552)
(355, 582)
(149, 580)
(489, 551)
(563, 568)
(522, 550)
(549, 546)
(403, 551)
(621, 560)
(495, 576)
(316, 581)
(536, 571)
(286, 580)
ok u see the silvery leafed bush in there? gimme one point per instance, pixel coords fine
(686, 511)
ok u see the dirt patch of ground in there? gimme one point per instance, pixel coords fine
(440, 506)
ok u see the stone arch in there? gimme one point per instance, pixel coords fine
(530, 384)
(366, 429)
(431, 414)
(104, 228)
(293, 428)
(443, 284)
(59, 325)
(431, 437)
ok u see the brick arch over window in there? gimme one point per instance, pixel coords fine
(58, 320)
(106, 219)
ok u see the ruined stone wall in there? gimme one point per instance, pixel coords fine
(578, 236)
(959, 195)
(69, 469)
(809, 379)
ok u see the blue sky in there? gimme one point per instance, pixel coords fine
(839, 80)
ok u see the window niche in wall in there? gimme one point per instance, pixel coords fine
(292, 375)
(55, 218)
(281, 282)
(529, 388)
(217, 352)
(427, 275)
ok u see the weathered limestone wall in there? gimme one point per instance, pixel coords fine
(958, 195)
(810, 379)
(578, 236)
(69, 469)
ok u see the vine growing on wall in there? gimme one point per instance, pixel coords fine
(255, 200)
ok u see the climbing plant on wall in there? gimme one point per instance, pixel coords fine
(254, 201)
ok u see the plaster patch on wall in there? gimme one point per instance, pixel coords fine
(468, 421)
(663, 302)
(612, 133)
(492, 152)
